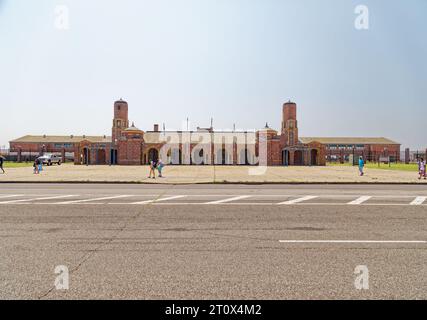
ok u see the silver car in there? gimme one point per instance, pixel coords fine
(50, 159)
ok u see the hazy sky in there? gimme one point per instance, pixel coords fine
(234, 60)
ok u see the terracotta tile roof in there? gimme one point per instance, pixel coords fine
(61, 139)
(348, 140)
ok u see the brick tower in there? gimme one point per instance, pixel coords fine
(289, 124)
(120, 121)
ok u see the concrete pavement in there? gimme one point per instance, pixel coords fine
(210, 174)
(213, 242)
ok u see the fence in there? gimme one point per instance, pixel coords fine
(353, 156)
(31, 156)
(385, 157)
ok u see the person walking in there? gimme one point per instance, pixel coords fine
(361, 166)
(422, 169)
(160, 166)
(2, 162)
(153, 166)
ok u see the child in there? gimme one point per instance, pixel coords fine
(36, 166)
(153, 166)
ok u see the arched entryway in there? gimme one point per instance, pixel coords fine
(298, 158)
(314, 157)
(113, 156)
(286, 157)
(153, 155)
(86, 156)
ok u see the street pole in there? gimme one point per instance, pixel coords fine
(353, 157)
(87, 156)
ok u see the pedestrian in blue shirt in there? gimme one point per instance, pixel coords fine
(361, 165)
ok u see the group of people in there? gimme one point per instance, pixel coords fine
(421, 168)
(156, 165)
(37, 165)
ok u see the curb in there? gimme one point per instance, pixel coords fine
(218, 183)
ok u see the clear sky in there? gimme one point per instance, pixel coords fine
(234, 60)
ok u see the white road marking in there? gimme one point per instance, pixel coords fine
(37, 199)
(231, 200)
(298, 200)
(92, 199)
(418, 201)
(311, 204)
(10, 196)
(352, 241)
(228, 200)
(158, 200)
(360, 200)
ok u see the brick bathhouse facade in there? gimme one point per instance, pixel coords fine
(129, 145)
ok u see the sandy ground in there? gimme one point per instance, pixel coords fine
(209, 174)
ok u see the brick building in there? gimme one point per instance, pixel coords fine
(129, 145)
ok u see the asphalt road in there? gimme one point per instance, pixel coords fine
(213, 242)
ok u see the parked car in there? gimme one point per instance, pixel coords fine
(50, 159)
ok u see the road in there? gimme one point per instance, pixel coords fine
(213, 241)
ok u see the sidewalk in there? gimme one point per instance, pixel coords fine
(209, 174)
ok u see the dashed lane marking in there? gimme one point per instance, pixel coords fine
(352, 241)
(10, 196)
(360, 200)
(158, 200)
(227, 200)
(418, 201)
(37, 199)
(299, 200)
(93, 199)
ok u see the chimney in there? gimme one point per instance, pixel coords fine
(156, 128)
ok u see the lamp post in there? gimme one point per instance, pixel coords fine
(353, 156)
(87, 155)
(113, 161)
